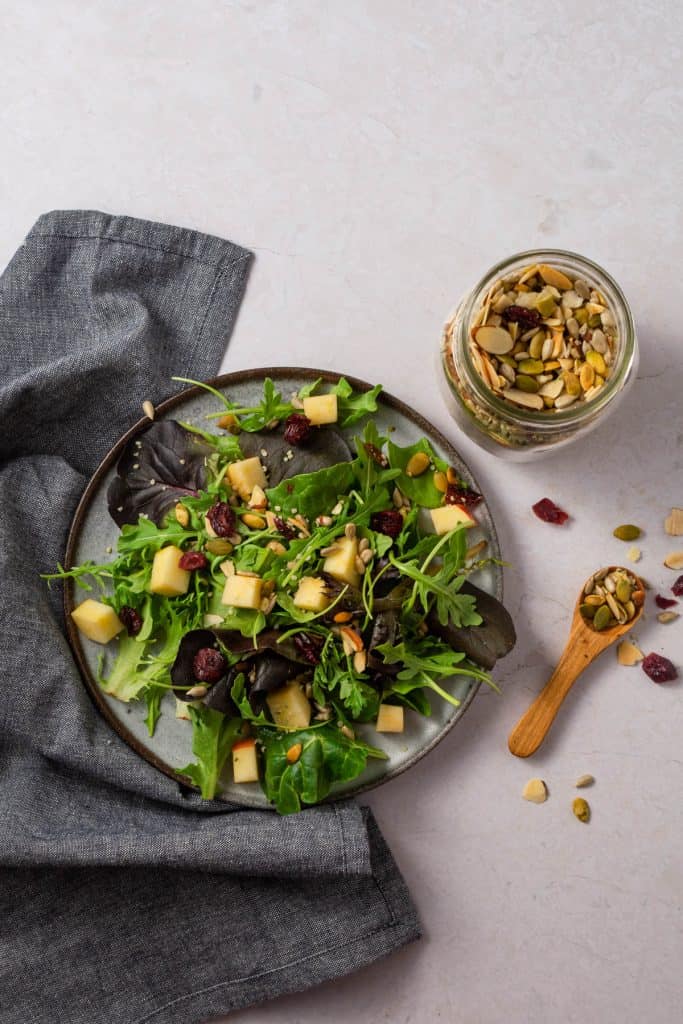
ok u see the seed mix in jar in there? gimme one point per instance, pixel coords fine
(543, 340)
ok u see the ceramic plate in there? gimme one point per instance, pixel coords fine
(93, 531)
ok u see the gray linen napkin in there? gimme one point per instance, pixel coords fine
(123, 898)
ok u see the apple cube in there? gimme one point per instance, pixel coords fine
(311, 594)
(447, 517)
(289, 707)
(245, 761)
(342, 562)
(321, 409)
(182, 710)
(389, 718)
(168, 579)
(245, 475)
(242, 591)
(97, 621)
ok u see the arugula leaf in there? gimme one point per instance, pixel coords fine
(354, 405)
(312, 494)
(327, 756)
(419, 489)
(441, 584)
(423, 662)
(213, 735)
(335, 673)
(226, 445)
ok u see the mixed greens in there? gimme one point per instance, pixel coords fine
(286, 588)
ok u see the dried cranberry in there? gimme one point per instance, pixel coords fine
(677, 588)
(388, 522)
(658, 668)
(192, 560)
(284, 529)
(297, 428)
(131, 620)
(208, 665)
(664, 602)
(222, 519)
(459, 494)
(309, 646)
(375, 454)
(549, 512)
(520, 315)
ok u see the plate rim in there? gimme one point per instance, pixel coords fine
(225, 380)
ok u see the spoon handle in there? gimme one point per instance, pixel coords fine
(530, 731)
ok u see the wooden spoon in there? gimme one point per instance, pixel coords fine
(583, 647)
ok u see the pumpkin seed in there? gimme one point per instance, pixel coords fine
(587, 610)
(602, 618)
(665, 617)
(571, 382)
(581, 809)
(627, 532)
(526, 383)
(532, 366)
(417, 464)
(587, 376)
(440, 481)
(623, 591)
(595, 599)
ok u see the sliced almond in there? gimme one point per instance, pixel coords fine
(536, 791)
(555, 277)
(258, 498)
(228, 567)
(674, 560)
(628, 653)
(673, 524)
(553, 389)
(495, 340)
(524, 398)
(351, 640)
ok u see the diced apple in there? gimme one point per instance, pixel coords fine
(290, 707)
(389, 718)
(447, 517)
(97, 621)
(342, 562)
(245, 475)
(242, 591)
(311, 594)
(182, 710)
(168, 579)
(245, 761)
(321, 409)
(211, 620)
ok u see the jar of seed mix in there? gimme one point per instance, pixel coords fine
(538, 353)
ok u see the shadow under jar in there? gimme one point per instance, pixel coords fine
(500, 425)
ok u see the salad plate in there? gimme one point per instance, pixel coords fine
(94, 536)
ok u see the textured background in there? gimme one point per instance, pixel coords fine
(378, 157)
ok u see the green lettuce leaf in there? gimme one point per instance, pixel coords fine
(419, 489)
(213, 735)
(327, 756)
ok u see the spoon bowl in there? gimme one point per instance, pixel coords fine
(583, 647)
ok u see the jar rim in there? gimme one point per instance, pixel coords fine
(574, 413)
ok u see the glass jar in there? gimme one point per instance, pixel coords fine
(496, 424)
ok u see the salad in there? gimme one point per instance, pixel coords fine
(295, 594)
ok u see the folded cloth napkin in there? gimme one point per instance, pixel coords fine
(123, 898)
